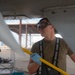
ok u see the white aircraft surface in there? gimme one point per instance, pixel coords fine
(61, 13)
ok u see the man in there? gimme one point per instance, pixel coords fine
(47, 30)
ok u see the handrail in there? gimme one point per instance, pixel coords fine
(47, 63)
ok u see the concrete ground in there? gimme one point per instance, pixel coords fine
(20, 62)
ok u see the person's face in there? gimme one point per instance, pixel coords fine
(43, 24)
(44, 28)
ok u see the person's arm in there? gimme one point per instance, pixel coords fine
(70, 52)
(34, 63)
(32, 66)
(72, 57)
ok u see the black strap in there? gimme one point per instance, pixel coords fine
(55, 56)
(41, 54)
(41, 48)
(56, 52)
(43, 67)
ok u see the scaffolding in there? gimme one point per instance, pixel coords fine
(7, 62)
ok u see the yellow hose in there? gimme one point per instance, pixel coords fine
(47, 63)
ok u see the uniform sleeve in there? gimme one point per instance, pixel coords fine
(69, 51)
(35, 48)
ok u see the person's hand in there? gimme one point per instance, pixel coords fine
(36, 58)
